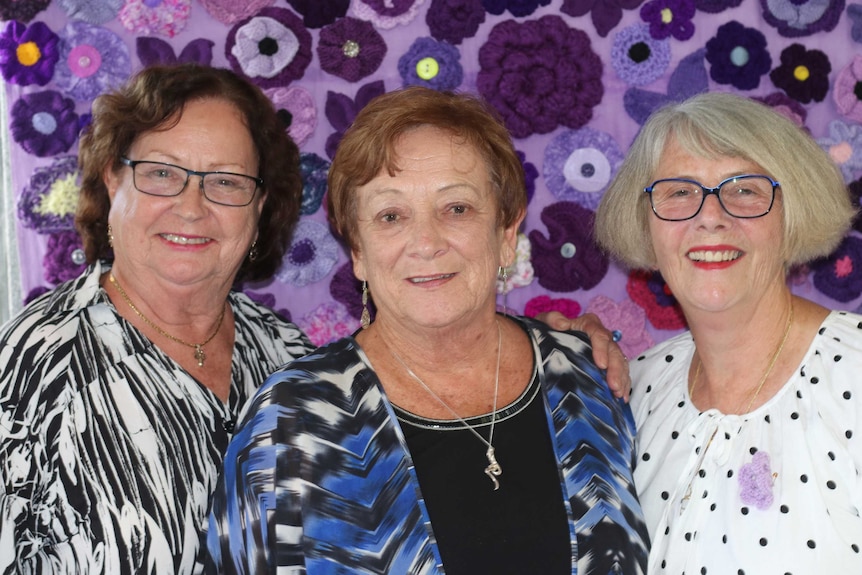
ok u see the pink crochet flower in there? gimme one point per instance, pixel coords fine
(231, 11)
(628, 319)
(328, 322)
(165, 17)
(543, 304)
(295, 106)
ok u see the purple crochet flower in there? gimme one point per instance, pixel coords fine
(231, 11)
(386, 14)
(579, 165)
(531, 173)
(649, 291)
(92, 60)
(637, 57)
(567, 259)
(518, 8)
(755, 481)
(21, 10)
(854, 11)
(855, 188)
(839, 276)
(341, 110)
(314, 171)
(605, 14)
(267, 300)
(669, 18)
(540, 74)
(786, 106)
(715, 6)
(688, 79)
(90, 11)
(64, 259)
(454, 20)
(165, 17)
(295, 107)
(44, 123)
(844, 146)
(347, 290)
(847, 90)
(49, 200)
(311, 255)
(28, 54)
(271, 49)
(544, 303)
(327, 323)
(35, 293)
(626, 317)
(803, 73)
(431, 64)
(795, 18)
(317, 14)
(351, 49)
(738, 56)
(156, 51)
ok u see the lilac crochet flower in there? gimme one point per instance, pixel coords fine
(44, 123)
(738, 56)
(91, 11)
(715, 6)
(755, 481)
(669, 18)
(520, 273)
(431, 64)
(231, 11)
(786, 106)
(64, 258)
(839, 276)
(314, 170)
(311, 255)
(327, 323)
(165, 17)
(844, 146)
(626, 317)
(605, 14)
(317, 14)
(347, 290)
(454, 20)
(271, 49)
(540, 74)
(518, 8)
(637, 57)
(156, 51)
(386, 14)
(579, 165)
(651, 292)
(854, 11)
(351, 49)
(688, 79)
(28, 54)
(847, 90)
(21, 10)
(295, 106)
(530, 175)
(49, 200)
(341, 110)
(567, 259)
(795, 18)
(92, 60)
(267, 300)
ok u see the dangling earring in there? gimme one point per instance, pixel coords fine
(252, 252)
(503, 276)
(365, 320)
(110, 236)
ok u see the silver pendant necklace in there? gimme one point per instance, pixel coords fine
(493, 471)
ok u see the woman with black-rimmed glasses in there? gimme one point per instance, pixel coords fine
(749, 460)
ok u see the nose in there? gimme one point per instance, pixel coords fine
(712, 210)
(428, 240)
(191, 205)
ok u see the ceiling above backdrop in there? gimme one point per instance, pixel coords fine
(573, 80)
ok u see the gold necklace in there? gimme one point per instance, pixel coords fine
(200, 356)
(768, 369)
(493, 471)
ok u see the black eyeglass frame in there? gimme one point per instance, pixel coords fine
(708, 191)
(189, 173)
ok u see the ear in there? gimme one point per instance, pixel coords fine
(510, 240)
(111, 180)
(358, 265)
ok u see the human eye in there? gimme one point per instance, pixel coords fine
(225, 182)
(156, 171)
(676, 190)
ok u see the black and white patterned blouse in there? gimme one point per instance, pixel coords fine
(109, 450)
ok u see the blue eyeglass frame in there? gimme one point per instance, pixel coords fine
(712, 191)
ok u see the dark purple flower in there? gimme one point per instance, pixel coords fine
(267, 300)
(35, 293)
(855, 188)
(92, 60)
(540, 74)
(49, 200)
(347, 290)
(567, 259)
(341, 110)
(271, 49)
(854, 11)
(637, 57)
(795, 18)
(688, 79)
(453, 20)
(44, 123)
(518, 8)
(386, 14)
(28, 54)
(715, 6)
(317, 14)
(803, 74)
(156, 51)
(669, 18)
(531, 174)
(351, 49)
(606, 14)
(64, 258)
(21, 10)
(314, 170)
(839, 275)
(431, 64)
(649, 291)
(738, 56)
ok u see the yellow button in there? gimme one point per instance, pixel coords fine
(427, 68)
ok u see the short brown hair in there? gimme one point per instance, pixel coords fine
(153, 99)
(368, 147)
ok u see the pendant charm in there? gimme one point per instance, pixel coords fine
(493, 471)
(200, 355)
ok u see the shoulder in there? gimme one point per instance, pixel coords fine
(258, 319)
(658, 371)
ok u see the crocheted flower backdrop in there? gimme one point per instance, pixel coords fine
(573, 79)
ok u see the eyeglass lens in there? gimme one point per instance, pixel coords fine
(742, 197)
(167, 180)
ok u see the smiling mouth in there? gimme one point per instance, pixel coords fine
(431, 278)
(183, 240)
(715, 256)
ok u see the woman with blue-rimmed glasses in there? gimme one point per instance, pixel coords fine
(748, 458)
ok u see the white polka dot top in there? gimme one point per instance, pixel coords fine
(775, 491)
